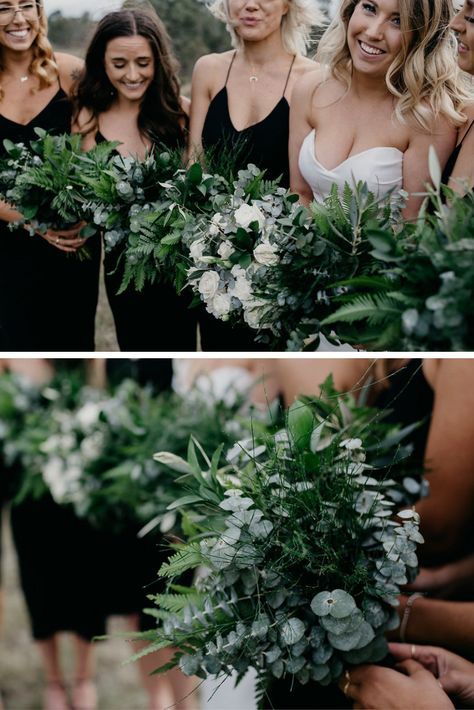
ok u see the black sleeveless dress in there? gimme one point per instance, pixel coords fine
(155, 319)
(410, 399)
(131, 564)
(265, 144)
(60, 560)
(48, 298)
(451, 162)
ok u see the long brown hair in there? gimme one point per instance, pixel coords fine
(161, 117)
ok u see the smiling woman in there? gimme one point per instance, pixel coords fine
(129, 92)
(241, 104)
(47, 301)
(459, 170)
(388, 88)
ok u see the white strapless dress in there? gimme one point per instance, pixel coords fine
(380, 167)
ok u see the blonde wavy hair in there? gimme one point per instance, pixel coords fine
(296, 26)
(424, 78)
(43, 64)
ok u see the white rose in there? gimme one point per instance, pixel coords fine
(208, 285)
(237, 271)
(197, 249)
(254, 312)
(246, 214)
(266, 254)
(252, 317)
(220, 305)
(241, 289)
(88, 414)
(225, 249)
(216, 224)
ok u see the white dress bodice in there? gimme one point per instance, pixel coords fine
(380, 167)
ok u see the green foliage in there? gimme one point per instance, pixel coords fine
(95, 449)
(47, 180)
(421, 293)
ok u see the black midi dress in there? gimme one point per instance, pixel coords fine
(265, 144)
(155, 319)
(48, 297)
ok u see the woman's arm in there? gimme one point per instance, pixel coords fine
(416, 174)
(70, 69)
(204, 71)
(300, 126)
(448, 580)
(9, 213)
(85, 123)
(447, 513)
(438, 622)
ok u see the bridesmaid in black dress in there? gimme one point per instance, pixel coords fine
(459, 169)
(48, 296)
(129, 92)
(240, 107)
(59, 561)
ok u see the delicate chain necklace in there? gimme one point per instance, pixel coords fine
(253, 78)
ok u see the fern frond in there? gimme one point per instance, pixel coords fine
(375, 308)
(175, 603)
(187, 557)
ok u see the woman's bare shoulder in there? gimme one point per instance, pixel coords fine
(303, 65)
(70, 68)
(210, 63)
(309, 83)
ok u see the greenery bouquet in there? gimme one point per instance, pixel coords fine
(302, 542)
(93, 449)
(272, 263)
(419, 294)
(45, 181)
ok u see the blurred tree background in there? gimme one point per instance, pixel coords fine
(192, 28)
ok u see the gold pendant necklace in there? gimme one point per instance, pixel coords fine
(24, 78)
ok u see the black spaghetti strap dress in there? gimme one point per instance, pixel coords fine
(264, 144)
(131, 564)
(48, 298)
(409, 398)
(60, 560)
(451, 162)
(156, 319)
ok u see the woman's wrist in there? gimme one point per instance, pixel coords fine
(406, 615)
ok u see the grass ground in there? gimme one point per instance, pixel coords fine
(20, 674)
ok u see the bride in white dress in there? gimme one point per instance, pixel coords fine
(387, 88)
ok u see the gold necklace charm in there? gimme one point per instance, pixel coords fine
(253, 78)
(24, 78)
